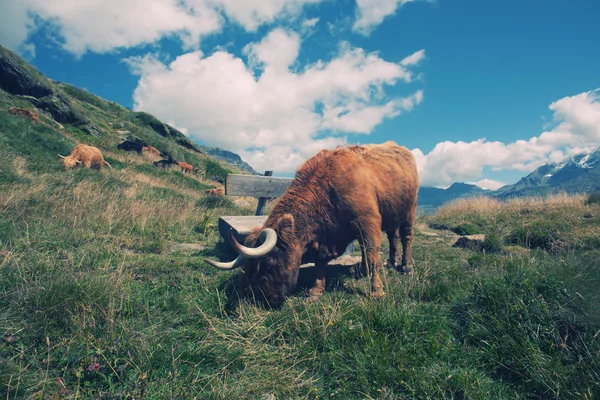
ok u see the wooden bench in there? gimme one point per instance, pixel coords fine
(264, 188)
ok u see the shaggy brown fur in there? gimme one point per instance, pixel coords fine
(24, 113)
(216, 192)
(85, 155)
(338, 196)
(185, 167)
(151, 150)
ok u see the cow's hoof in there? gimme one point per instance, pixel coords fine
(313, 297)
(378, 294)
(406, 270)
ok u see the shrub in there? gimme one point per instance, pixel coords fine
(593, 198)
(467, 228)
(539, 235)
(210, 202)
(493, 242)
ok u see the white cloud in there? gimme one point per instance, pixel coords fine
(310, 23)
(577, 129)
(279, 49)
(104, 25)
(370, 13)
(281, 118)
(489, 184)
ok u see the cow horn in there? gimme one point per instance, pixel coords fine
(226, 266)
(60, 156)
(267, 235)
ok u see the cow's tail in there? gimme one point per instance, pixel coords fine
(107, 164)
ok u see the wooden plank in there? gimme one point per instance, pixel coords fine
(257, 186)
(242, 225)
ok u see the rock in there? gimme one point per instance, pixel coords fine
(18, 81)
(92, 130)
(473, 242)
(60, 109)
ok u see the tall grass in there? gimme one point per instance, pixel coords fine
(96, 302)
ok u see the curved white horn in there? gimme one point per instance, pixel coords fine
(267, 235)
(60, 156)
(228, 266)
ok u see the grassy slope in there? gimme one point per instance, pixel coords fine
(93, 291)
(98, 301)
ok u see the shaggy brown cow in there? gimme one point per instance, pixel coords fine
(337, 196)
(88, 156)
(185, 167)
(216, 192)
(24, 113)
(151, 150)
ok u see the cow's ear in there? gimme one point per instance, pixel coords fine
(286, 228)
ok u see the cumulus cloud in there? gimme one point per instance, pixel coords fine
(104, 25)
(282, 116)
(370, 13)
(576, 129)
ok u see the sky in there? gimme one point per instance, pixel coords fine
(481, 92)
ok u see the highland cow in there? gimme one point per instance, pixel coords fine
(151, 150)
(336, 197)
(220, 192)
(85, 155)
(185, 167)
(24, 113)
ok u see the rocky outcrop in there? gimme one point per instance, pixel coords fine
(60, 109)
(229, 157)
(17, 81)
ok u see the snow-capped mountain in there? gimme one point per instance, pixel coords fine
(578, 174)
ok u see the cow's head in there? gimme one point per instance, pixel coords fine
(69, 161)
(270, 259)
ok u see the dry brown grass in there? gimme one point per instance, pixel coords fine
(487, 207)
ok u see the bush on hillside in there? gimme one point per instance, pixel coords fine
(544, 235)
(593, 198)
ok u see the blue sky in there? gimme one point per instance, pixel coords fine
(480, 91)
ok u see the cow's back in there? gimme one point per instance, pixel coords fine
(382, 177)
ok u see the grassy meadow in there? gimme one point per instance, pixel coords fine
(104, 295)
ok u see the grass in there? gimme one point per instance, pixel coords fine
(94, 303)
(97, 300)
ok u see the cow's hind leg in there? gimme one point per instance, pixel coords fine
(370, 245)
(406, 237)
(393, 236)
(318, 288)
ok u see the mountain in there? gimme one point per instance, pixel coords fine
(578, 174)
(229, 157)
(431, 198)
(72, 115)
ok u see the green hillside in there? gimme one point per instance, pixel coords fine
(70, 115)
(104, 294)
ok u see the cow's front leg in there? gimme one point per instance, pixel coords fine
(318, 288)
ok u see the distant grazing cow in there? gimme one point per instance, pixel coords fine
(88, 156)
(164, 163)
(185, 167)
(151, 150)
(337, 196)
(133, 145)
(220, 192)
(21, 112)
